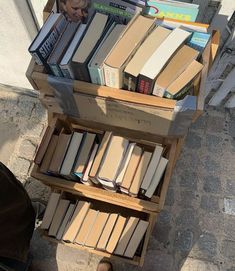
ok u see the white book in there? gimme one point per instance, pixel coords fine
(156, 177)
(65, 63)
(152, 167)
(50, 210)
(65, 221)
(124, 164)
(70, 156)
(89, 164)
(164, 52)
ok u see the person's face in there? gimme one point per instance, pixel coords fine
(74, 10)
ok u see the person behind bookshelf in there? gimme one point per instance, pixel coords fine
(75, 10)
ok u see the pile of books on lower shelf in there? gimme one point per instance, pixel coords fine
(79, 222)
(149, 56)
(105, 160)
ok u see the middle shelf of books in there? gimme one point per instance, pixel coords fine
(115, 166)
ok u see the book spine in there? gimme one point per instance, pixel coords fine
(67, 72)
(112, 77)
(145, 85)
(37, 58)
(95, 75)
(81, 72)
(129, 82)
(158, 90)
(56, 70)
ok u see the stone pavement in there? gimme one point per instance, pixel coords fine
(196, 229)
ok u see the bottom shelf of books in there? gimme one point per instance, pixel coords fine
(103, 229)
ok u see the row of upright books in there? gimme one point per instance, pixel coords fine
(104, 160)
(159, 57)
(78, 222)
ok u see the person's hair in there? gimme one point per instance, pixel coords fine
(83, 3)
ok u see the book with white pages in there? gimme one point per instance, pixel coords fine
(156, 156)
(156, 177)
(85, 177)
(124, 164)
(71, 154)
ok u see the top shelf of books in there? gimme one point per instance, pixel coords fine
(139, 73)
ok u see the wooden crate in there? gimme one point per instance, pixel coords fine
(173, 147)
(98, 204)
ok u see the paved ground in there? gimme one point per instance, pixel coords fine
(196, 229)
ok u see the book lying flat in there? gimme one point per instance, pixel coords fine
(131, 169)
(70, 156)
(136, 238)
(97, 230)
(98, 158)
(112, 160)
(126, 235)
(76, 221)
(86, 47)
(179, 62)
(50, 210)
(59, 154)
(117, 231)
(65, 64)
(152, 167)
(134, 34)
(175, 89)
(65, 221)
(156, 177)
(145, 51)
(84, 154)
(48, 154)
(124, 164)
(104, 238)
(87, 226)
(58, 217)
(159, 59)
(140, 172)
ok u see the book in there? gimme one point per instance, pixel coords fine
(178, 63)
(115, 236)
(85, 177)
(98, 158)
(96, 232)
(84, 154)
(104, 238)
(60, 48)
(59, 153)
(124, 164)
(131, 169)
(58, 217)
(112, 160)
(50, 210)
(139, 175)
(156, 177)
(65, 221)
(76, 221)
(44, 42)
(172, 9)
(122, 11)
(71, 154)
(95, 66)
(159, 59)
(44, 145)
(136, 239)
(199, 40)
(87, 226)
(126, 235)
(175, 90)
(65, 63)
(48, 154)
(133, 35)
(156, 156)
(144, 52)
(83, 53)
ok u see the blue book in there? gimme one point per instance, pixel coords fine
(172, 9)
(199, 41)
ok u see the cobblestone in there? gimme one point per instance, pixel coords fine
(212, 184)
(210, 203)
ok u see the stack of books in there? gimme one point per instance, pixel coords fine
(106, 160)
(80, 223)
(162, 57)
